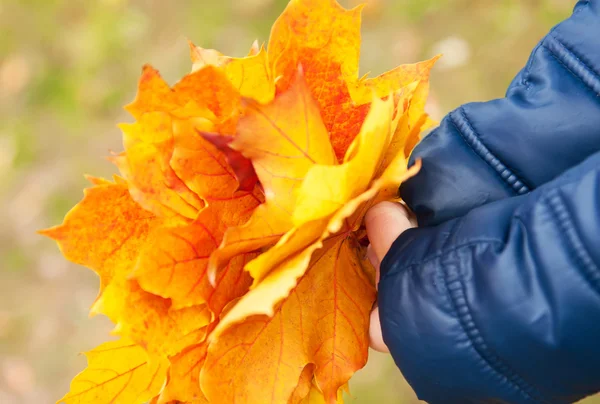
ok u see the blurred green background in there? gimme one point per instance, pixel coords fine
(67, 68)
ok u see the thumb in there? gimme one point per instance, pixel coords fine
(384, 222)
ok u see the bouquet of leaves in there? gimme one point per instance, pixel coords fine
(230, 250)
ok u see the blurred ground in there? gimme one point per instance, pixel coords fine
(67, 67)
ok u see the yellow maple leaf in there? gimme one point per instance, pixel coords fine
(229, 289)
(117, 372)
(292, 139)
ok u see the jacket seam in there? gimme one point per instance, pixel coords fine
(433, 257)
(457, 225)
(526, 74)
(518, 214)
(578, 56)
(462, 311)
(573, 63)
(470, 136)
(589, 270)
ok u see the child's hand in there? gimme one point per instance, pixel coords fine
(496, 296)
(385, 222)
(499, 305)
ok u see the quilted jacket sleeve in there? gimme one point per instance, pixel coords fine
(497, 298)
(548, 122)
(503, 304)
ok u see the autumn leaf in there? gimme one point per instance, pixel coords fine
(145, 165)
(307, 391)
(292, 139)
(334, 337)
(315, 396)
(183, 384)
(165, 143)
(327, 188)
(250, 75)
(299, 141)
(117, 372)
(149, 320)
(311, 25)
(303, 387)
(325, 39)
(230, 250)
(417, 120)
(174, 261)
(105, 231)
(241, 166)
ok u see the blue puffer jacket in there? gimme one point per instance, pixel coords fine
(496, 298)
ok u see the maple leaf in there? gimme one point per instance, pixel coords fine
(174, 261)
(325, 39)
(296, 334)
(250, 75)
(106, 232)
(118, 371)
(292, 139)
(110, 222)
(229, 252)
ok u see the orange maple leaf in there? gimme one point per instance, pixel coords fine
(229, 251)
(325, 39)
